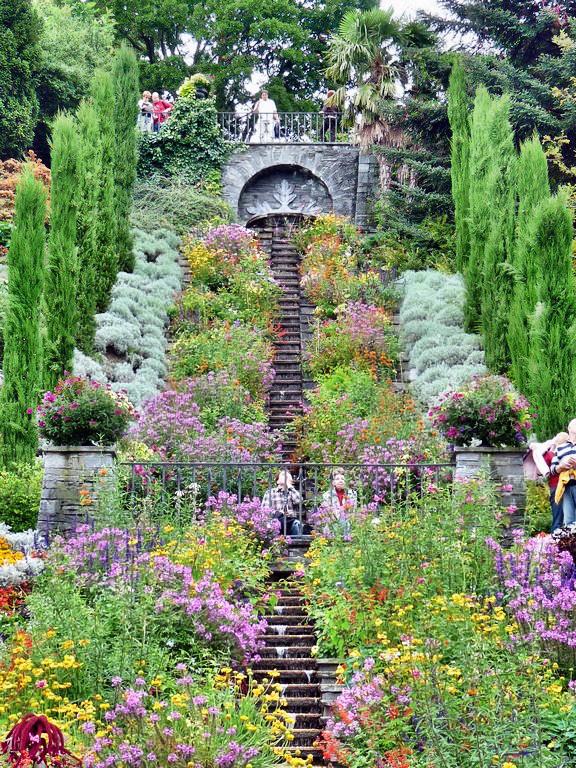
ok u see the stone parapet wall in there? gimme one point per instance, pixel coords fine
(74, 479)
(323, 177)
(503, 466)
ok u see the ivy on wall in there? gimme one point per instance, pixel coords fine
(190, 144)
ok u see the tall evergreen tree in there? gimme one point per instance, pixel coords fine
(522, 57)
(125, 73)
(60, 290)
(20, 29)
(496, 282)
(552, 349)
(87, 229)
(23, 348)
(533, 187)
(458, 103)
(103, 100)
(481, 210)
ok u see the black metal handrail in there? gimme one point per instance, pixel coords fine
(284, 128)
(170, 483)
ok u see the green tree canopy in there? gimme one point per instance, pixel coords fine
(20, 29)
(283, 43)
(74, 43)
(367, 53)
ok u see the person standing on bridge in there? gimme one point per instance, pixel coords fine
(330, 114)
(264, 131)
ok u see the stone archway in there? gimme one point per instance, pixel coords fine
(344, 178)
(283, 190)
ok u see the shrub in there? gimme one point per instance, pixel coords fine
(171, 425)
(487, 411)
(175, 204)
(350, 411)
(441, 355)
(332, 273)
(20, 495)
(83, 412)
(213, 259)
(325, 227)
(361, 335)
(251, 297)
(242, 351)
(190, 145)
(132, 331)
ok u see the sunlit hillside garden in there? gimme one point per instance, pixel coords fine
(141, 325)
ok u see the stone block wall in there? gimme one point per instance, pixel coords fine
(74, 478)
(341, 177)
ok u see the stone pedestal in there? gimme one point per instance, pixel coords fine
(74, 477)
(329, 688)
(502, 465)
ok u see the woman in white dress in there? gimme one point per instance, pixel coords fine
(265, 108)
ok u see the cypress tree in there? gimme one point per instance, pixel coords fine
(500, 190)
(23, 348)
(125, 73)
(481, 209)
(103, 100)
(552, 339)
(533, 187)
(460, 156)
(60, 290)
(90, 162)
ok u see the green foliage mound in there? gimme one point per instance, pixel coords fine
(20, 495)
(190, 144)
(174, 204)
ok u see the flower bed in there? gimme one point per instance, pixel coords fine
(450, 645)
(485, 411)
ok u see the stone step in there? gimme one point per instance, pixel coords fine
(308, 704)
(298, 690)
(296, 599)
(306, 720)
(297, 678)
(288, 610)
(286, 626)
(304, 737)
(304, 665)
(275, 641)
(303, 752)
(274, 653)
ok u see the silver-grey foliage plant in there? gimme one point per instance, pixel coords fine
(441, 354)
(131, 334)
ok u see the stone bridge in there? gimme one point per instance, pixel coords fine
(263, 179)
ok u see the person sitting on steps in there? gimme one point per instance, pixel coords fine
(284, 501)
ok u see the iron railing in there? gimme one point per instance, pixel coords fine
(287, 128)
(178, 485)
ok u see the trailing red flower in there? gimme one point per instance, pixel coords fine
(34, 740)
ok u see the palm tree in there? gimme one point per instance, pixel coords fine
(366, 54)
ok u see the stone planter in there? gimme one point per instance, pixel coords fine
(74, 477)
(329, 688)
(503, 466)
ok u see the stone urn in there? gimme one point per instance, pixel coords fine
(74, 478)
(329, 688)
(504, 466)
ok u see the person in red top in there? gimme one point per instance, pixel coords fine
(557, 511)
(160, 109)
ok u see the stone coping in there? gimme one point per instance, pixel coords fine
(488, 449)
(78, 449)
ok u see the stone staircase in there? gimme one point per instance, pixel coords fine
(289, 640)
(402, 380)
(287, 392)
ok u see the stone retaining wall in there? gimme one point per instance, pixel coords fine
(74, 479)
